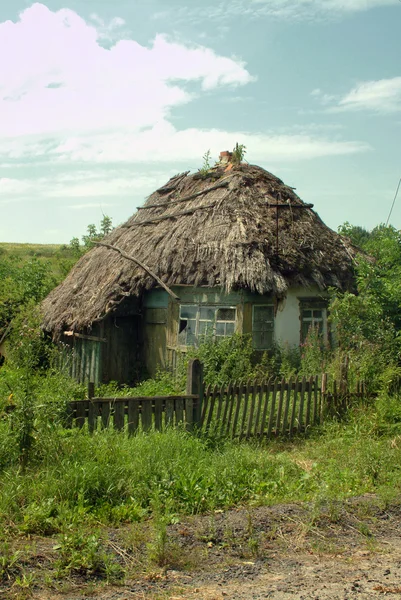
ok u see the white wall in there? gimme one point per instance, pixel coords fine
(287, 324)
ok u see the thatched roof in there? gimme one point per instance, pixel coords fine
(216, 229)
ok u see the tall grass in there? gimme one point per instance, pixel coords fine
(76, 478)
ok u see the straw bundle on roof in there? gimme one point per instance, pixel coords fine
(236, 228)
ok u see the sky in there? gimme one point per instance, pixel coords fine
(102, 102)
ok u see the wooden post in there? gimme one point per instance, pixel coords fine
(91, 390)
(195, 387)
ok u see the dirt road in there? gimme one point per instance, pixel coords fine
(286, 552)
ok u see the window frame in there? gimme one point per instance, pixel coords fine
(198, 320)
(258, 331)
(312, 305)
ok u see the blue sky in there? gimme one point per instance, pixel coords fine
(101, 102)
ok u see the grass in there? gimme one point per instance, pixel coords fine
(76, 486)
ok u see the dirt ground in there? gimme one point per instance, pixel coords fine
(335, 551)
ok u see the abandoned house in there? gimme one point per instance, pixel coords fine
(229, 250)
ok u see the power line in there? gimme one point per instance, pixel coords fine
(395, 198)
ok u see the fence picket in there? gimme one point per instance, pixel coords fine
(158, 414)
(287, 406)
(228, 394)
(280, 406)
(266, 388)
(119, 415)
(309, 389)
(189, 414)
(206, 399)
(259, 401)
(272, 408)
(169, 412)
(245, 404)
(301, 405)
(231, 407)
(179, 410)
(105, 414)
(253, 391)
(211, 407)
(294, 407)
(147, 414)
(81, 413)
(237, 409)
(217, 422)
(93, 408)
(133, 416)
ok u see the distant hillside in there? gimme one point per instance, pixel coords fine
(60, 256)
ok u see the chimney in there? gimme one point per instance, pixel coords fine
(225, 157)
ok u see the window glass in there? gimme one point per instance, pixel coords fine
(207, 313)
(313, 318)
(197, 321)
(188, 312)
(220, 329)
(225, 314)
(263, 327)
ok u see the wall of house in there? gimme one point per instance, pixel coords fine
(161, 318)
(287, 325)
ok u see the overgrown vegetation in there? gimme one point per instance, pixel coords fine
(67, 484)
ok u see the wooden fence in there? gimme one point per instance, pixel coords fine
(263, 409)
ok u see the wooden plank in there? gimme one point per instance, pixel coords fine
(309, 401)
(146, 414)
(70, 414)
(294, 407)
(259, 404)
(287, 406)
(323, 397)
(169, 412)
(245, 404)
(316, 411)
(105, 414)
(133, 415)
(211, 407)
(251, 427)
(159, 413)
(272, 408)
(227, 398)
(280, 406)
(301, 405)
(189, 414)
(206, 399)
(266, 389)
(239, 395)
(179, 411)
(231, 402)
(118, 415)
(220, 399)
(92, 415)
(81, 412)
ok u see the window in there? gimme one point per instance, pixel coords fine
(313, 315)
(263, 326)
(199, 321)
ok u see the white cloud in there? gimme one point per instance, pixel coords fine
(381, 96)
(58, 78)
(164, 143)
(280, 9)
(66, 99)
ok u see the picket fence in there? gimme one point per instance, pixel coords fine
(264, 409)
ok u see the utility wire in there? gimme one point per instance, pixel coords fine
(395, 198)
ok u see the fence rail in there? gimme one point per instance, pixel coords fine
(134, 414)
(261, 409)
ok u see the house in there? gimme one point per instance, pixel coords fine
(229, 250)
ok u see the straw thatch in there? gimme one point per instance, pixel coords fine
(218, 229)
